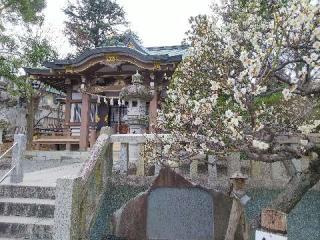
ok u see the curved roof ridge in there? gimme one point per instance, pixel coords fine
(169, 47)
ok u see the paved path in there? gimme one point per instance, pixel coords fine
(47, 177)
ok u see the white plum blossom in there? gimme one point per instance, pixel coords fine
(307, 59)
(166, 149)
(260, 145)
(286, 94)
(228, 113)
(316, 45)
(248, 78)
(308, 128)
(231, 81)
(314, 56)
(304, 142)
(231, 87)
(215, 85)
(197, 121)
(260, 90)
(243, 90)
(235, 120)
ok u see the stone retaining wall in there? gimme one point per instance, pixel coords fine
(79, 199)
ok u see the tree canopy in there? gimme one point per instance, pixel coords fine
(15, 49)
(25, 10)
(93, 23)
(24, 48)
(252, 75)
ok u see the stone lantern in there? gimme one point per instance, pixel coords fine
(137, 95)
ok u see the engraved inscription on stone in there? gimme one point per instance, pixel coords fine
(180, 214)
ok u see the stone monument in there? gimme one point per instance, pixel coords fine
(174, 208)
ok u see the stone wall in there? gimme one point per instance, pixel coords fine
(12, 112)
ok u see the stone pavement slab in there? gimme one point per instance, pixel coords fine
(26, 220)
(28, 201)
(47, 177)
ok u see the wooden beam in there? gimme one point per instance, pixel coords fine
(68, 107)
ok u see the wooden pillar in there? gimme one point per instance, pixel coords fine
(67, 114)
(153, 106)
(85, 120)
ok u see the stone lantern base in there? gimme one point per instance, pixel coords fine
(1, 133)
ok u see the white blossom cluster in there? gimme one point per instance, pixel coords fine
(245, 75)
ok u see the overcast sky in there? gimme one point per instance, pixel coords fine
(157, 22)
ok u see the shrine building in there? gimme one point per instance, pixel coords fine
(92, 83)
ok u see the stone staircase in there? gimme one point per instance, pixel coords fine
(26, 212)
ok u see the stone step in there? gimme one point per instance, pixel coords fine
(11, 238)
(26, 227)
(27, 207)
(20, 191)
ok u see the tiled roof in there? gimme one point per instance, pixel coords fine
(131, 47)
(169, 50)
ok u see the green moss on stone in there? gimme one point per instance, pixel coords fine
(114, 198)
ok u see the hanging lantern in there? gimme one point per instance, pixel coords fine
(82, 86)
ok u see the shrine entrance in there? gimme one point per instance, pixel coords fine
(112, 116)
(93, 80)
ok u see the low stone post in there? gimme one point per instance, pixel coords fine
(122, 164)
(233, 163)
(194, 169)
(134, 158)
(274, 225)
(17, 157)
(212, 169)
(237, 215)
(1, 133)
(140, 163)
(157, 164)
(157, 168)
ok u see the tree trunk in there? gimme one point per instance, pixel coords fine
(30, 123)
(32, 107)
(234, 220)
(237, 217)
(299, 184)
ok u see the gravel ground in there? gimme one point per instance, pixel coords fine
(303, 221)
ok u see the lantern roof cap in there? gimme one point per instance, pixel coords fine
(136, 90)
